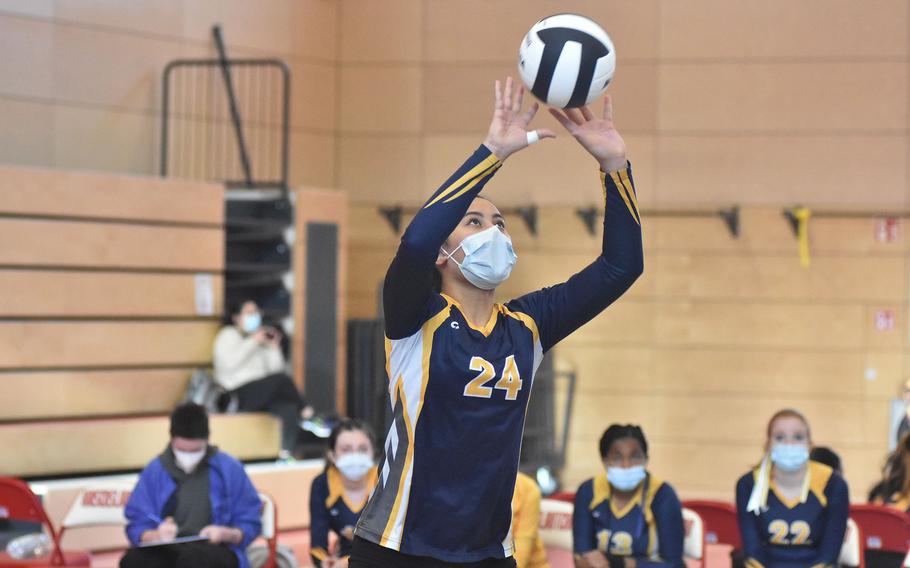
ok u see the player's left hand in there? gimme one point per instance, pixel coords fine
(597, 135)
(509, 128)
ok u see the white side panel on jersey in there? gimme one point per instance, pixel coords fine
(538, 357)
(406, 366)
(508, 545)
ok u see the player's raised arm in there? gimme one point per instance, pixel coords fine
(561, 309)
(409, 282)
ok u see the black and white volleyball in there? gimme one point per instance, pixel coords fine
(566, 60)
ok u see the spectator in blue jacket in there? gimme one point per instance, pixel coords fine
(192, 489)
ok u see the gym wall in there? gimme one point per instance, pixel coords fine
(721, 102)
(764, 105)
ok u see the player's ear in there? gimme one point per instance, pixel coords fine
(441, 256)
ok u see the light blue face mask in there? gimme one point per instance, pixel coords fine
(251, 322)
(626, 478)
(488, 258)
(789, 457)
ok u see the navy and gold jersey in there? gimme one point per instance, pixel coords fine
(459, 391)
(649, 528)
(330, 510)
(802, 532)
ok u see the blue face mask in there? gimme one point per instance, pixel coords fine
(488, 258)
(789, 457)
(626, 478)
(251, 322)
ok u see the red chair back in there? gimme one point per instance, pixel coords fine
(883, 528)
(567, 496)
(721, 522)
(17, 502)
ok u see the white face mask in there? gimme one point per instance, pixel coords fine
(488, 258)
(251, 322)
(188, 461)
(354, 465)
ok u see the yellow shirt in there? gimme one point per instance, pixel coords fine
(529, 551)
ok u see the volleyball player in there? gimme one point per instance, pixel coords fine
(338, 494)
(461, 366)
(626, 517)
(792, 511)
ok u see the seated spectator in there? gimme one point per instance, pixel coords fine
(191, 489)
(249, 363)
(627, 517)
(792, 511)
(827, 456)
(338, 494)
(529, 550)
(894, 488)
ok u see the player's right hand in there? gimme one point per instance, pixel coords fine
(509, 128)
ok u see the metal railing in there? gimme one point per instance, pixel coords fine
(226, 120)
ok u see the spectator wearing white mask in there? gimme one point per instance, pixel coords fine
(792, 511)
(338, 495)
(192, 489)
(625, 517)
(249, 363)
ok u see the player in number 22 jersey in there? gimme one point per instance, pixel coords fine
(461, 367)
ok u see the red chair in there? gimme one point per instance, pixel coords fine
(17, 502)
(566, 496)
(883, 528)
(721, 522)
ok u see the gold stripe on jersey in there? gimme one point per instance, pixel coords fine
(388, 360)
(491, 322)
(753, 563)
(319, 553)
(819, 475)
(523, 318)
(427, 332)
(486, 173)
(336, 489)
(409, 456)
(631, 204)
(477, 171)
(601, 491)
(629, 187)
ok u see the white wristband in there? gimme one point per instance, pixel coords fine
(532, 137)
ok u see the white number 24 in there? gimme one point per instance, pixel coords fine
(509, 381)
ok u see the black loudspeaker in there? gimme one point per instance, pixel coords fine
(321, 315)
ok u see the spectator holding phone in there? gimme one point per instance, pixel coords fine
(249, 364)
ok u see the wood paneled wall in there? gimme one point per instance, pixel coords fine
(99, 317)
(80, 82)
(717, 335)
(720, 102)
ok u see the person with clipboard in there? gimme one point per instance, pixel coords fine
(194, 505)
